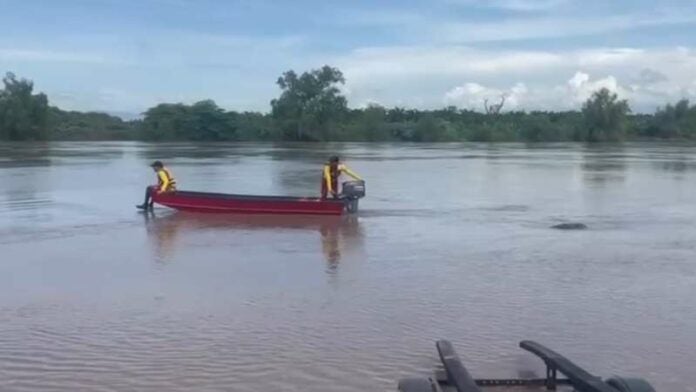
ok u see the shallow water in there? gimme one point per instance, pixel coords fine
(453, 241)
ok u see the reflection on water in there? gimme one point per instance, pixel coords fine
(678, 166)
(452, 241)
(305, 175)
(24, 179)
(602, 164)
(175, 151)
(23, 155)
(335, 233)
(163, 233)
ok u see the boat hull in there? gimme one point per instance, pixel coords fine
(248, 204)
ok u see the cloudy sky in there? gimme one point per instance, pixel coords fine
(123, 56)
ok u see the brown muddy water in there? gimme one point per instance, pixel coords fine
(453, 241)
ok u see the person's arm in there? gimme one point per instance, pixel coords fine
(164, 181)
(351, 173)
(327, 178)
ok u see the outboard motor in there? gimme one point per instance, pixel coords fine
(352, 192)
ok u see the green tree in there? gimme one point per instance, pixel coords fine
(23, 115)
(432, 129)
(203, 120)
(371, 125)
(536, 127)
(71, 125)
(165, 121)
(605, 117)
(311, 108)
(309, 103)
(207, 121)
(673, 121)
(251, 126)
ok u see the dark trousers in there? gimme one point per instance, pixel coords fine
(325, 190)
(149, 191)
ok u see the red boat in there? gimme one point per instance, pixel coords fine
(250, 204)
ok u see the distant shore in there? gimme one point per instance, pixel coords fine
(311, 108)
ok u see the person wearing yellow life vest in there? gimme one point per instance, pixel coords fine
(330, 175)
(165, 183)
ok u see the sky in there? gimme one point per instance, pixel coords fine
(123, 56)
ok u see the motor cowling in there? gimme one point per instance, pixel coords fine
(353, 189)
(351, 192)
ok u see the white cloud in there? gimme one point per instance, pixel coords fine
(578, 80)
(516, 29)
(30, 55)
(650, 76)
(232, 41)
(528, 5)
(514, 5)
(426, 58)
(101, 99)
(414, 76)
(474, 96)
(394, 62)
(569, 95)
(371, 18)
(237, 71)
(580, 87)
(564, 96)
(469, 95)
(532, 80)
(535, 19)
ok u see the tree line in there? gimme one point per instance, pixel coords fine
(310, 107)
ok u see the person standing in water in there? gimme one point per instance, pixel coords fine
(165, 183)
(331, 173)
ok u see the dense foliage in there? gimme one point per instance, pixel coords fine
(310, 107)
(23, 115)
(176, 122)
(66, 125)
(605, 117)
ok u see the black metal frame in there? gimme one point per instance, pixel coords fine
(581, 380)
(457, 376)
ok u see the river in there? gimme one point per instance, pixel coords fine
(452, 241)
